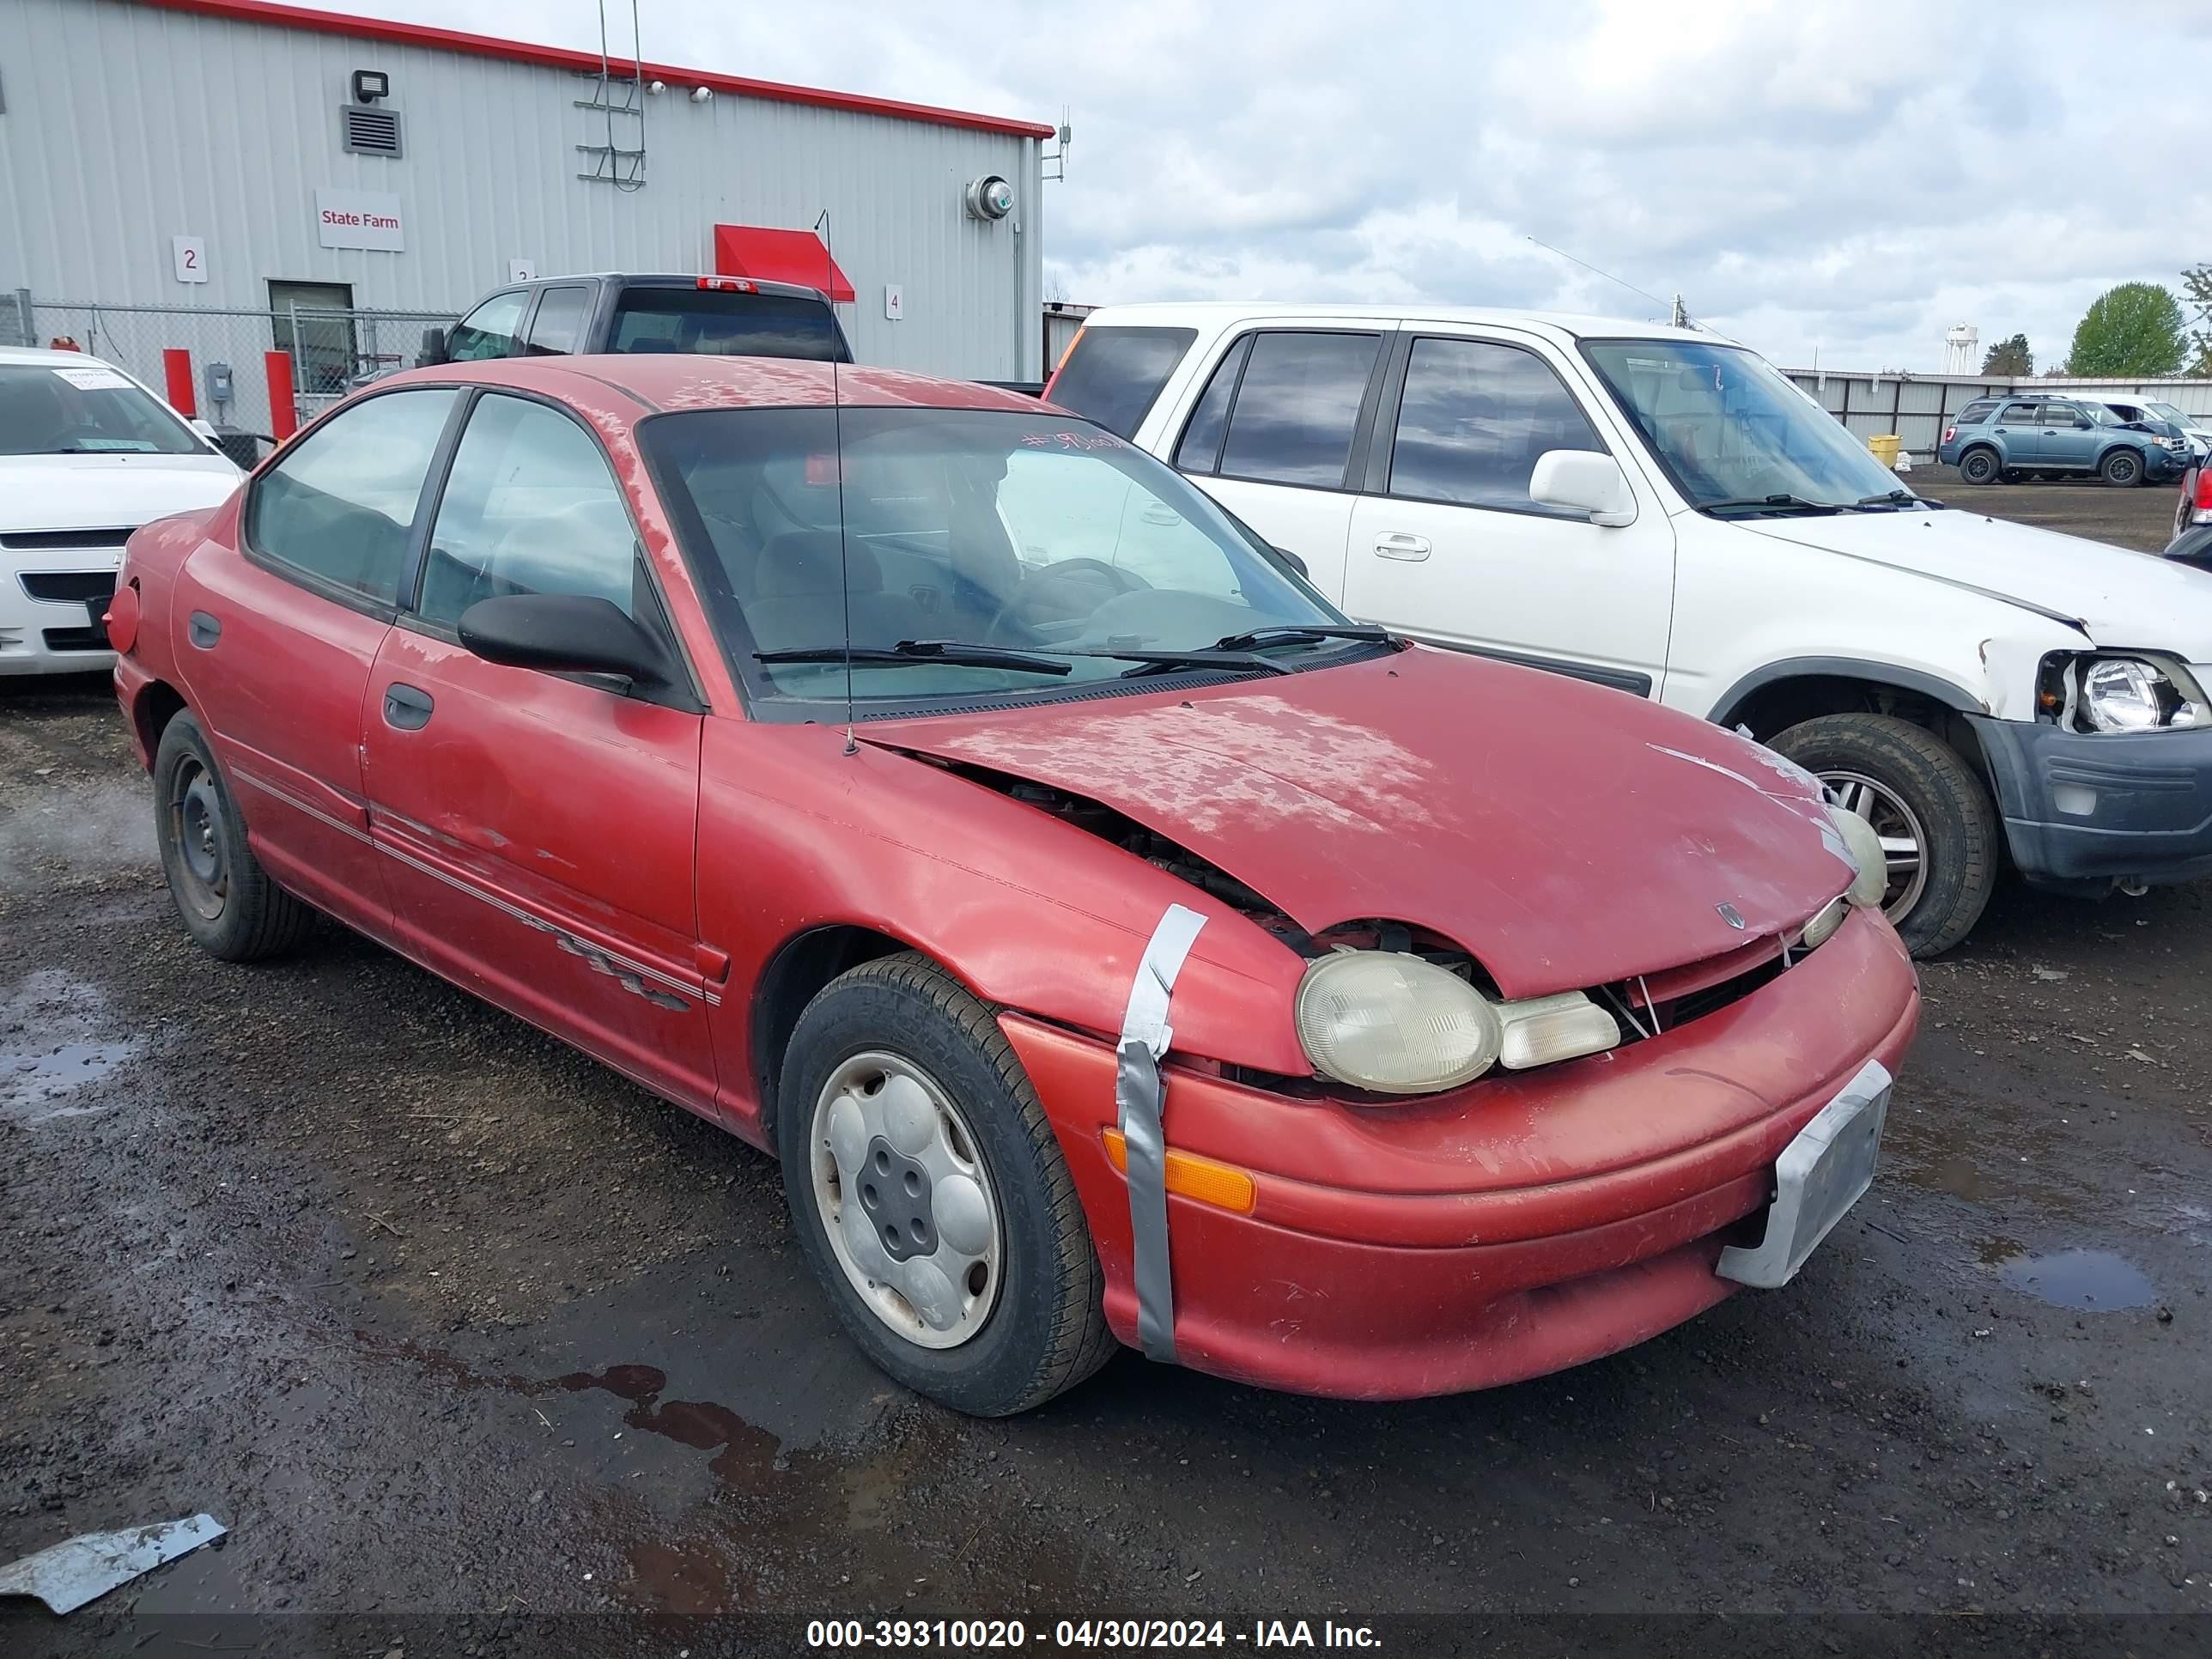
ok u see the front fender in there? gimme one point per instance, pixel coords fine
(1030, 911)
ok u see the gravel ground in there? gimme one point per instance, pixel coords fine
(2141, 518)
(478, 1349)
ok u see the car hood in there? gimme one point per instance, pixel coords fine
(107, 492)
(2120, 597)
(1566, 835)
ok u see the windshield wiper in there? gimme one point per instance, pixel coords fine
(910, 650)
(1304, 634)
(1779, 504)
(1156, 662)
(1896, 498)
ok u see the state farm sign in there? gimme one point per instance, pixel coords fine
(360, 218)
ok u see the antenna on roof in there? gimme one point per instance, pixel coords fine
(1057, 159)
(837, 428)
(1608, 276)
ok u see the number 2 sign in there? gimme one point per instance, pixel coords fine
(190, 253)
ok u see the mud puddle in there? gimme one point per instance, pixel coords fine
(52, 1046)
(2087, 1281)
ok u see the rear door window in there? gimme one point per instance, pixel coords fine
(1114, 375)
(1475, 417)
(491, 331)
(560, 320)
(2022, 414)
(340, 504)
(1297, 407)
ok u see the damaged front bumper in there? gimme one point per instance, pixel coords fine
(1500, 1231)
(2084, 813)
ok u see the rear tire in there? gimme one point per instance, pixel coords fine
(901, 1023)
(1980, 466)
(2123, 468)
(1920, 790)
(228, 904)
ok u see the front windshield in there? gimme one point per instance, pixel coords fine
(85, 409)
(2102, 416)
(1039, 534)
(2169, 412)
(1730, 429)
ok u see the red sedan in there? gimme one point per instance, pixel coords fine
(1112, 941)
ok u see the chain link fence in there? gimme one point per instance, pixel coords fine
(332, 352)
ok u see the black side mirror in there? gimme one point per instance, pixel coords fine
(1294, 561)
(437, 348)
(2082, 423)
(564, 634)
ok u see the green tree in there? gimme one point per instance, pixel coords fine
(2196, 282)
(2134, 330)
(2010, 357)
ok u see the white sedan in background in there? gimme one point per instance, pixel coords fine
(87, 455)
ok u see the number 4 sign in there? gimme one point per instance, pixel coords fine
(191, 254)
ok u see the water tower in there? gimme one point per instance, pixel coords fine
(1960, 357)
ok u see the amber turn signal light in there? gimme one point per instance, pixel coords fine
(1189, 1176)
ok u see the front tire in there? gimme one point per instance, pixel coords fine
(930, 1195)
(228, 904)
(1980, 466)
(1930, 809)
(2123, 468)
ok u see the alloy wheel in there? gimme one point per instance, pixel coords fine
(1903, 840)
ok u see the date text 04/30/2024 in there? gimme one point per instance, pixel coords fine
(984, 1633)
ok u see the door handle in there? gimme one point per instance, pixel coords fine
(1397, 545)
(406, 708)
(204, 630)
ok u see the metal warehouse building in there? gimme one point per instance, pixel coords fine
(233, 176)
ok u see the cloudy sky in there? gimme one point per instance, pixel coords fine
(1809, 175)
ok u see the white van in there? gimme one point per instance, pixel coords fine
(1659, 511)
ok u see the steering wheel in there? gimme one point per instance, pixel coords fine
(1056, 594)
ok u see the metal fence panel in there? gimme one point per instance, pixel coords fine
(332, 352)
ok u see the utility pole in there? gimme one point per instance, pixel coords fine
(1681, 317)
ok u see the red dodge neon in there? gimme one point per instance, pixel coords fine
(1112, 941)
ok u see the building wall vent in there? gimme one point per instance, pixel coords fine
(364, 130)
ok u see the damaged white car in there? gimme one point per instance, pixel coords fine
(1661, 512)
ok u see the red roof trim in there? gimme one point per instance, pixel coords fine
(521, 51)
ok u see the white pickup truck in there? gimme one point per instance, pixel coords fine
(1663, 512)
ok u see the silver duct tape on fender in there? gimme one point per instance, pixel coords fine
(1139, 1098)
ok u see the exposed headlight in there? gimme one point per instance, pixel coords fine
(2121, 694)
(2118, 694)
(1399, 1024)
(1393, 1023)
(1869, 864)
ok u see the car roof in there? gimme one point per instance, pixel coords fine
(1220, 313)
(53, 358)
(672, 381)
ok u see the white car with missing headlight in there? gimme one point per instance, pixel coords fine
(88, 454)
